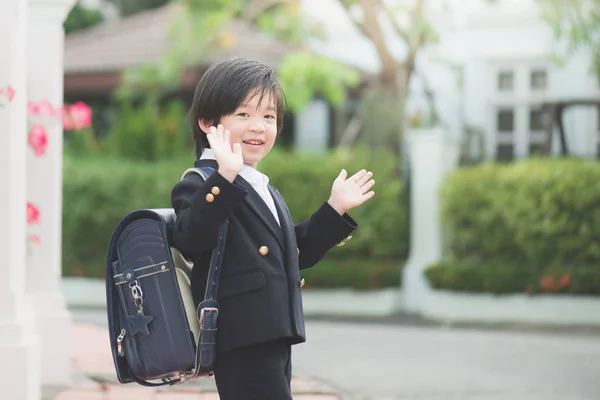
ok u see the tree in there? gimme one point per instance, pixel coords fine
(202, 27)
(577, 22)
(81, 17)
(385, 98)
(130, 7)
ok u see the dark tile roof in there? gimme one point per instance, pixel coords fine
(144, 38)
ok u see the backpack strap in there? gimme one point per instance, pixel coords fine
(208, 309)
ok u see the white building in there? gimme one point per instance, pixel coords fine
(503, 49)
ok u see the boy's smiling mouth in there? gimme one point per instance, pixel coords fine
(254, 142)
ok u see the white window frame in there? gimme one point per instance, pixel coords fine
(522, 99)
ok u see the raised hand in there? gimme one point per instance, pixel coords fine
(351, 192)
(228, 157)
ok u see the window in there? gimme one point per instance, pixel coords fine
(506, 81)
(505, 120)
(505, 152)
(536, 119)
(539, 79)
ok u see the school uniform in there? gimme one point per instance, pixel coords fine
(260, 303)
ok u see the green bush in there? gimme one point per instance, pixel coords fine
(534, 215)
(98, 192)
(507, 278)
(149, 131)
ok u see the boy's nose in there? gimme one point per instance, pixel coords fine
(257, 126)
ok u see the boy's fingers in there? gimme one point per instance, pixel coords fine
(357, 176)
(343, 174)
(237, 148)
(365, 178)
(368, 185)
(227, 140)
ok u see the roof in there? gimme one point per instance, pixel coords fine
(143, 39)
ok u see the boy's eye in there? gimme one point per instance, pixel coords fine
(243, 115)
(270, 116)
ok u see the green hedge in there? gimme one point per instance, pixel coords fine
(98, 192)
(520, 222)
(506, 278)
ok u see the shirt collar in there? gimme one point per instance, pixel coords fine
(252, 175)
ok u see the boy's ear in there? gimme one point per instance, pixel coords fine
(204, 125)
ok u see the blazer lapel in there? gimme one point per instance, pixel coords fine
(261, 209)
(255, 202)
(287, 225)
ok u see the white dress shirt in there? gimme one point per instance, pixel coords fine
(257, 179)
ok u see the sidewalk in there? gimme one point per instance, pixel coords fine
(94, 377)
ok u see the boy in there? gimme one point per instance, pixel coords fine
(236, 114)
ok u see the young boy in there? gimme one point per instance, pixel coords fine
(236, 115)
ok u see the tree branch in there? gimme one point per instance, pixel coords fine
(401, 32)
(257, 7)
(415, 45)
(373, 30)
(358, 24)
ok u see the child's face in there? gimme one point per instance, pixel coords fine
(254, 126)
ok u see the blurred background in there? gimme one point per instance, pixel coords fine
(513, 86)
(490, 108)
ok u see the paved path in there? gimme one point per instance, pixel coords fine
(94, 377)
(392, 362)
(360, 361)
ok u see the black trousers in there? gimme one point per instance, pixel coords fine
(259, 372)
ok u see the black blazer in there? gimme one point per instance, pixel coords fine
(259, 290)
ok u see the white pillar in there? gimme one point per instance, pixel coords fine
(19, 343)
(431, 157)
(44, 188)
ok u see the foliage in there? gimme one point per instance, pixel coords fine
(149, 131)
(130, 7)
(81, 17)
(359, 274)
(536, 215)
(202, 28)
(578, 23)
(513, 278)
(304, 74)
(98, 192)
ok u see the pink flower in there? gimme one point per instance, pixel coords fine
(10, 92)
(35, 239)
(79, 116)
(46, 109)
(33, 213)
(66, 118)
(38, 139)
(32, 108)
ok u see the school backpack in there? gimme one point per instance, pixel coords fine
(157, 336)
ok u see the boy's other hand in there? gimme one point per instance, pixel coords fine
(351, 192)
(228, 157)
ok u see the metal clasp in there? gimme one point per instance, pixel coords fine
(138, 295)
(207, 309)
(120, 351)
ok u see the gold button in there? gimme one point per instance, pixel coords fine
(302, 282)
(349, 237)
(163, 267)
(264, 250)
(210, 198)
(341, 244)
(215, 190)
(298, 250)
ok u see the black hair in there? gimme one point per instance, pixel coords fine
(224, 87)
